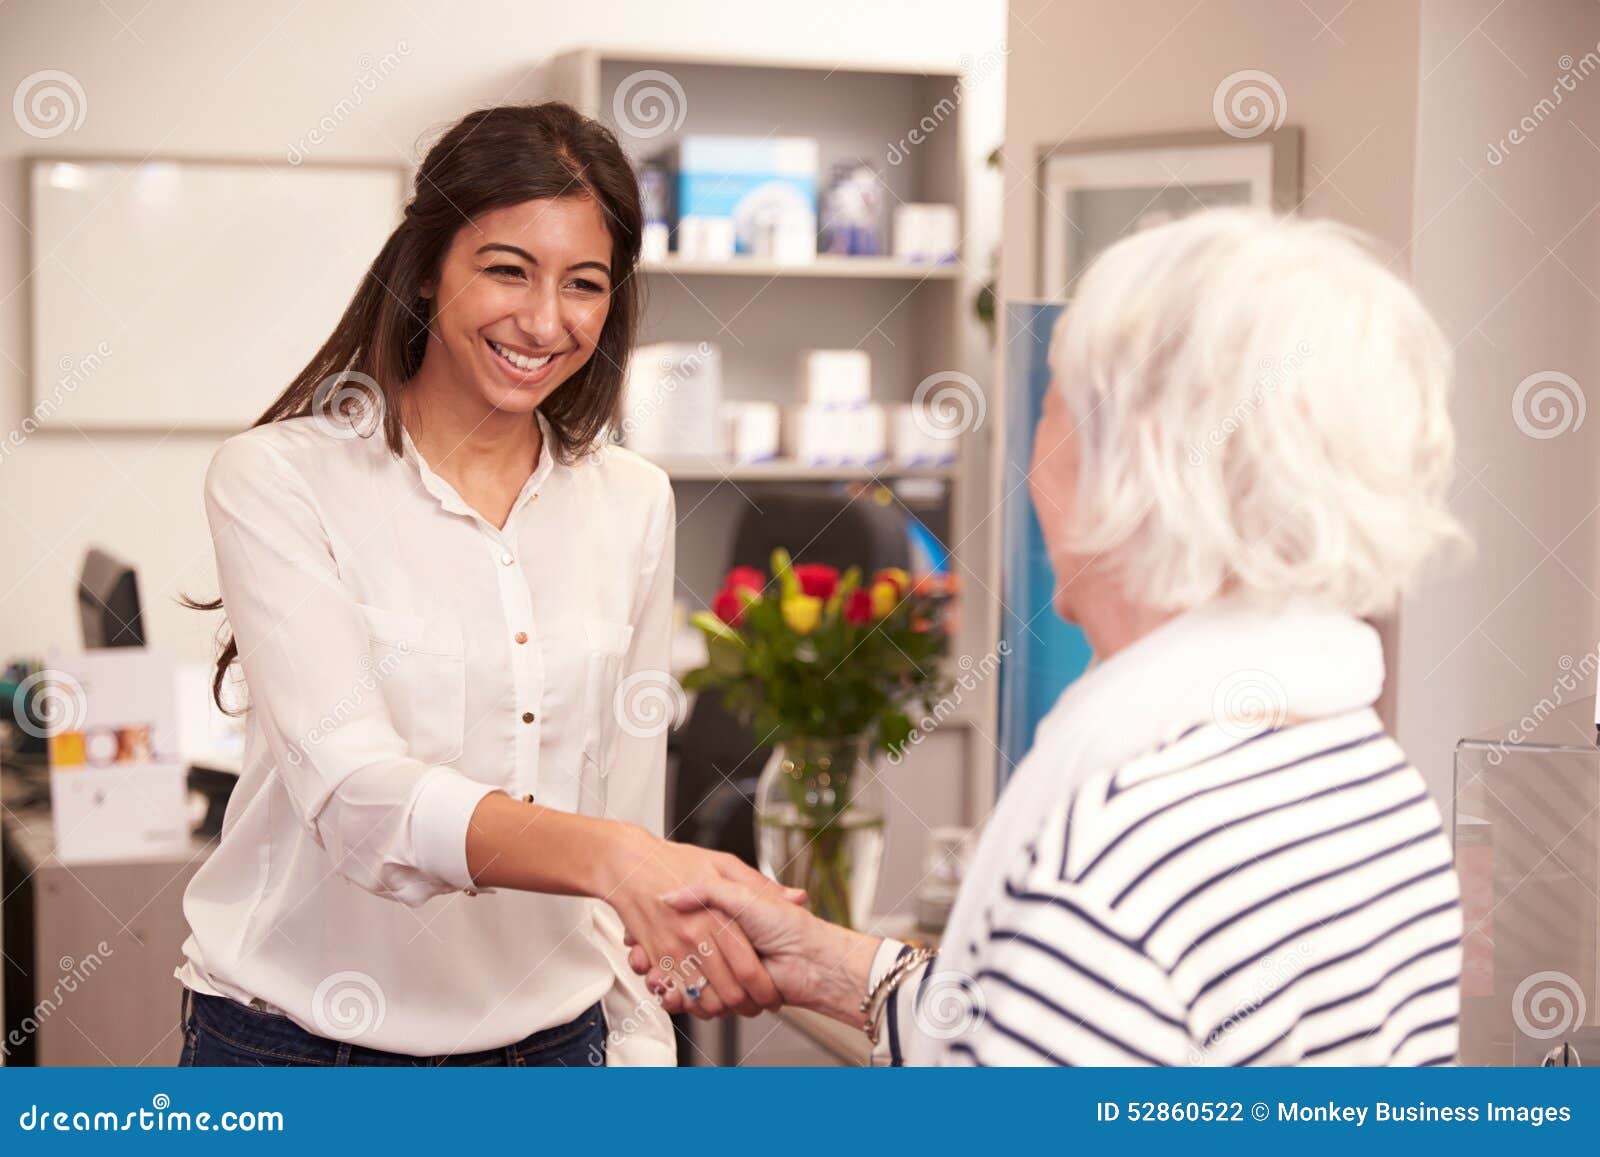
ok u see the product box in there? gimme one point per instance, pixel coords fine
(118, 789)
(766, 185)
(836, 379)
(673, 404)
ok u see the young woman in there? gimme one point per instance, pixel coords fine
(444, 585)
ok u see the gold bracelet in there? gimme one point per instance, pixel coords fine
(877, 998)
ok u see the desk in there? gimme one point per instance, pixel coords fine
(67, 1002)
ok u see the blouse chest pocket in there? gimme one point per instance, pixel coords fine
(419, 667)
(607, 641)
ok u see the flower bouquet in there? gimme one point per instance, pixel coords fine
(824, 667)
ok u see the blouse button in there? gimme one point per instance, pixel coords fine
(506, 559)
(527, 716)
(522, 636)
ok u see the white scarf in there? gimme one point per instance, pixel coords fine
(1300, 661)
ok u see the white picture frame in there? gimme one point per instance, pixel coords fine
(186, 294)
(1095, 192)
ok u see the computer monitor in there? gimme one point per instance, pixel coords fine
(108, 603)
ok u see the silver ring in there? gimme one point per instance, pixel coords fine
(692, 991)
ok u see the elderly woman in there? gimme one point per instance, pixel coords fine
(1213, 854)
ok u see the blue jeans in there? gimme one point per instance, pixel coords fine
(219, 1031)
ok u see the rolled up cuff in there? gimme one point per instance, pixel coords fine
(439, 822)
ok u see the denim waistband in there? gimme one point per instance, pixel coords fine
(275, 1034)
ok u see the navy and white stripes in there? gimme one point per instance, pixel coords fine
(1280, 899)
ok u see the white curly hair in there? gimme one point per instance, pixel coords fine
(1260, 406)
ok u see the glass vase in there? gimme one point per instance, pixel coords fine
(819, 825)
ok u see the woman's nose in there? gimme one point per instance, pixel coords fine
(540, 316)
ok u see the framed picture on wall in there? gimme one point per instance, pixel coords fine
(1095, 192)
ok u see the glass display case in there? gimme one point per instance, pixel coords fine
(1527, 847)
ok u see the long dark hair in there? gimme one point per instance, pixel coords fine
(490, 159)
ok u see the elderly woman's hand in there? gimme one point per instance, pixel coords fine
(697, 948)
(816, 965)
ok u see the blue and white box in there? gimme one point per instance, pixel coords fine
(766, 185)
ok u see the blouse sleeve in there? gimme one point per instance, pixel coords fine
(391, 824)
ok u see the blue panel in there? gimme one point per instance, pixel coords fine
(1044, 653)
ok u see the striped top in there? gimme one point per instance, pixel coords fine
(1280, 898)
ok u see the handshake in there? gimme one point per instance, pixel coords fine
(714, 937)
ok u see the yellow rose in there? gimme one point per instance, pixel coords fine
(802, 613)
(885, 597)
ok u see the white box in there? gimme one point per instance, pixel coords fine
(808, 437)
(122, 812)
(836, 379)
(118, 789)
(832, 436)
(673, 407)
(706, 238)
(927, 234)
(754, 430)
(918, 443)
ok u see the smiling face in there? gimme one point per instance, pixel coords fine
(521, 300)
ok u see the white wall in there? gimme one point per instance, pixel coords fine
(1505, 256)
(1399, 102)
(253, 81)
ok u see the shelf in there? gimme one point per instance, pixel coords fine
(871, 268)
(778, 471)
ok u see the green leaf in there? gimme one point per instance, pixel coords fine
(783, 571)
(714, 627)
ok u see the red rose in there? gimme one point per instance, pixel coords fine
(817, 580)
(728, 607)
(745, 578)
(858, 607)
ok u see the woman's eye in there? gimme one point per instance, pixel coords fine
(589, 286)
(505, 270)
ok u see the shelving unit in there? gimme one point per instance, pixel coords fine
(781, 471)
(823, 266)
(915, 320)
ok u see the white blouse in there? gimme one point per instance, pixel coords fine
(403, 658)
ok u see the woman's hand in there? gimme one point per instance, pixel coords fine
(815, 964)
(687, 945)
